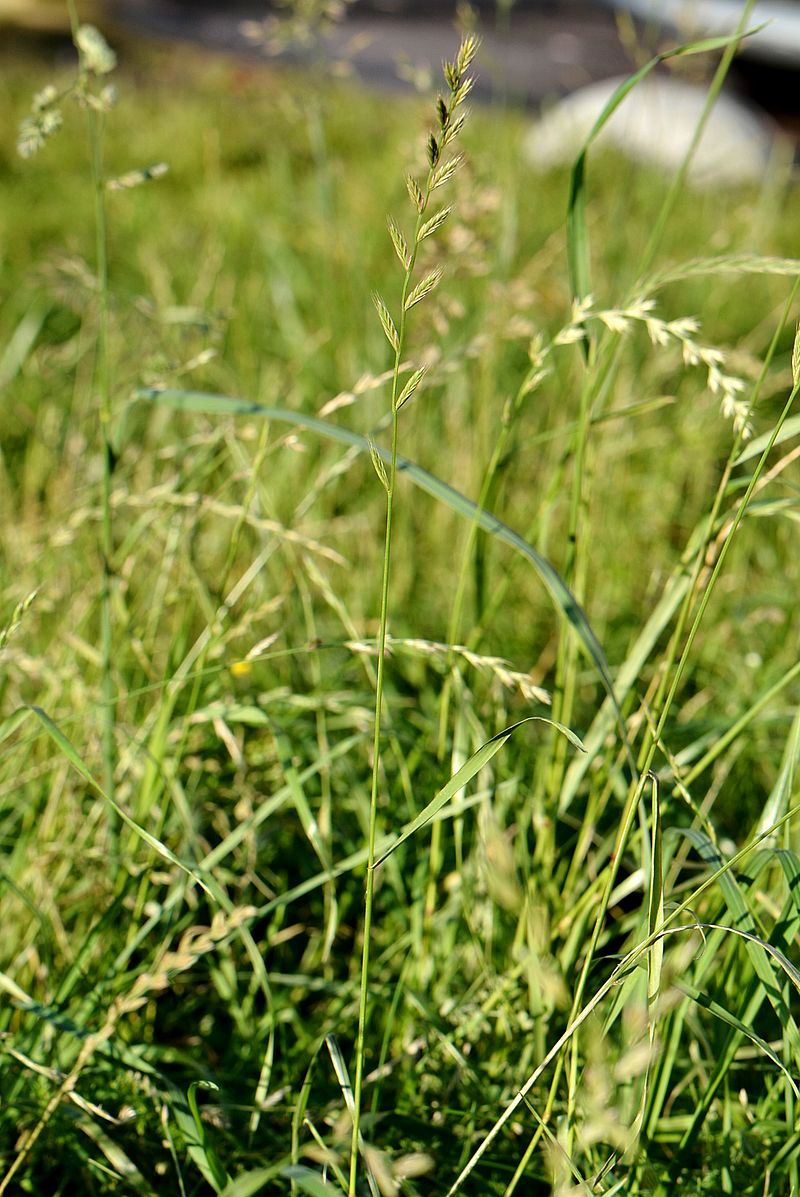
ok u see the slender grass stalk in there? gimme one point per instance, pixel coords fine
(459, 84)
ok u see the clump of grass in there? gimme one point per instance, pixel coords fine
(576, 970)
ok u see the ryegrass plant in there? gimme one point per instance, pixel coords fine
(577, 971)
(442, 165)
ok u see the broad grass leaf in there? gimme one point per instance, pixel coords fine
(467, 771)
(21, 343)
(241, 713)
(563, 598)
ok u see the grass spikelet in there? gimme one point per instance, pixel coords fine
(415, 192)
(433, 224)
(400, 244)
(387, 322)
(410, 387)
(423, 288)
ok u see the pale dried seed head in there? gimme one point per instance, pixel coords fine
(96, 56)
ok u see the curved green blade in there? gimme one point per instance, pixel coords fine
(577, 231)
(563, 598)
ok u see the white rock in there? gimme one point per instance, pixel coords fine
(655, 124)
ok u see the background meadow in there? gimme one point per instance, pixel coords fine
(182, 968)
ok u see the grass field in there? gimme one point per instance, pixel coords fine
(582, 971)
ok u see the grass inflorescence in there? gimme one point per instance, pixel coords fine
(399, 757)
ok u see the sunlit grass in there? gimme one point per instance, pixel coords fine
(245, 596)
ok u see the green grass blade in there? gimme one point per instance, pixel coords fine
(790, 863)
(577, 233)
(16, 719)
(780, 796)
(754, 998)
(655, 911)
(201, 1150)
(309, 1181)
(341, 1070)
(789, 430)
(74, 759)
(21, 343)
(761, 953)
(563, 598)
(736, 1024)
(355, 860)
(627, 675)
(769, 949)
(465, 774)
(250, 1183)
(300, 1108)
(343, 1077)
